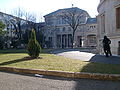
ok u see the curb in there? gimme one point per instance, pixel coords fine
(80, 75)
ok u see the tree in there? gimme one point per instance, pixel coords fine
(34, 47)
(17, 21)
(25, 38)
(30, 20)
(22, 21)
(72, 17)
(2, 32)
(2, 26)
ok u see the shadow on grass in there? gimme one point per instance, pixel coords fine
(104, 65)
(7, 51)
(18, 60)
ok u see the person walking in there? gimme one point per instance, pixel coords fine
(106, 46)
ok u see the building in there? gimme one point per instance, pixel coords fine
(59, 32)
(109, 24)
(16, 28)
(91, 33)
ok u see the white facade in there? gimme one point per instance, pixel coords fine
(108, 18)
(59, 33)
(91, 33)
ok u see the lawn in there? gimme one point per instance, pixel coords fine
(52, 62)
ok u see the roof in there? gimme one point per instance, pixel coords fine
(91, 21)
(41, 24)
(73, 8)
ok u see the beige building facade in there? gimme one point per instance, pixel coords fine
(59, 33)
(109, 24)
(91, 33)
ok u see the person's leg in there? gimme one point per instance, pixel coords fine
(109, 51)
(106, 52)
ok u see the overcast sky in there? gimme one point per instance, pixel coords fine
(43, 7)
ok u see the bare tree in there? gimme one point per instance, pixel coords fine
(16, 21)
(72, 17)
(30, 16)
(30, 19)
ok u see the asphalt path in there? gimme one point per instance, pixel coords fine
(11, 81)
(87, 56)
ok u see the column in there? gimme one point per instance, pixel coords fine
(67, 40)
(61, 41)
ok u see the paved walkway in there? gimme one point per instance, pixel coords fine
(85, 56)
(10, 81)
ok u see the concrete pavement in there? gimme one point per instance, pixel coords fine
(11, 81)
(85, 56)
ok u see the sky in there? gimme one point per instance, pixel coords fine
(43, 7)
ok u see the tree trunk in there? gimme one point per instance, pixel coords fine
(73, 38)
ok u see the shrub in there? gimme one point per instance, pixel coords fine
(2, 33)
(34, 47)
(1, 42)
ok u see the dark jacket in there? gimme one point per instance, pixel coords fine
(106, 43)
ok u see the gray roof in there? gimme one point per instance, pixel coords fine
(73, 8)
(91, 21)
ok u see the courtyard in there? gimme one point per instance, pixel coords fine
(61, 60)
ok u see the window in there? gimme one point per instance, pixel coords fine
(91, 27)
(63, 28)
(118, 18)
(58, 29)
(69, 28)
(92, 39)
(63, 21)
(103, 24)
(49, 22)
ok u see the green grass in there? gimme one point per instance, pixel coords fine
(52, 62)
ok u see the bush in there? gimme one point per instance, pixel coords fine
(1, 42)
(34, 47)
(2, 33)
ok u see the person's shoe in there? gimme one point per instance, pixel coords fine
(107, 56)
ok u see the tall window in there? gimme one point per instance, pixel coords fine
(118, 18)
(63, 28)
(103, 23)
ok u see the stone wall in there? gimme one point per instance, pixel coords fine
(108, 9)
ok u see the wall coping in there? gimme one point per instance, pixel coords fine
(82, 75)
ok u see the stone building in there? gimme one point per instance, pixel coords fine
(90, 33)
(59, 33)
(13, 32)
(109, 24)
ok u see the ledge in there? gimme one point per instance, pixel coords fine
(81, 75)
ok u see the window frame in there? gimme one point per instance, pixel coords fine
(118, 17)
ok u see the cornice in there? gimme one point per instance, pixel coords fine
(101, 2)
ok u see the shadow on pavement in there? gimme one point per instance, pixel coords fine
(63, 50)
(100, 64)
(106, 60)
